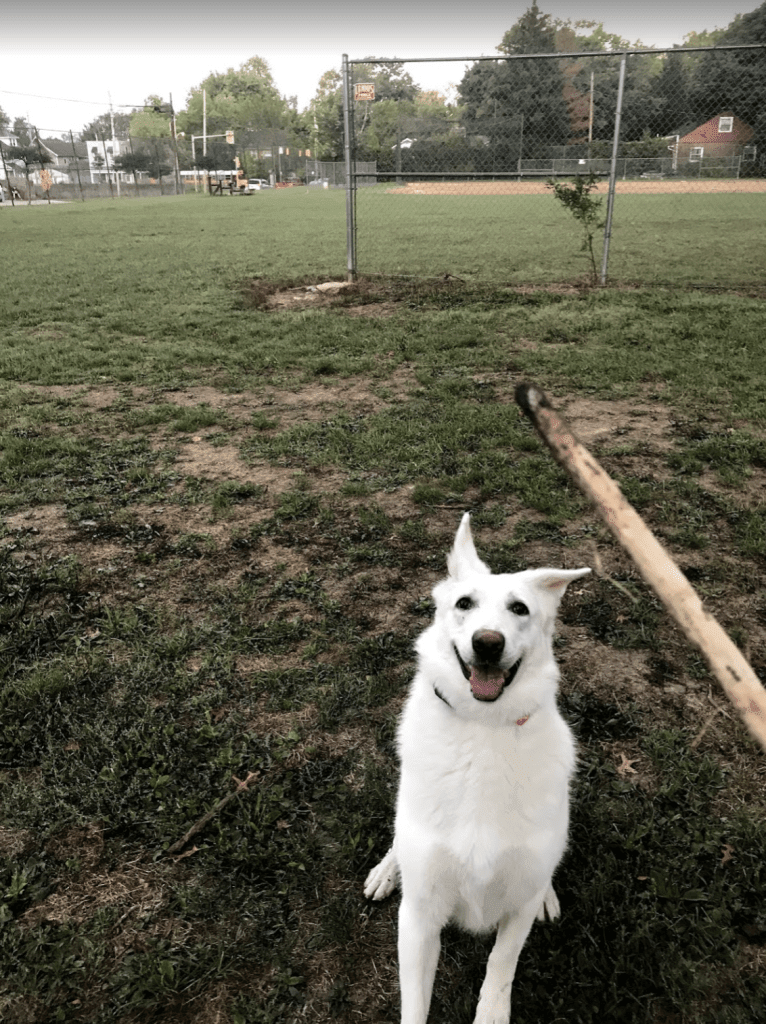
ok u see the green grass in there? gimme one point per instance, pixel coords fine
(713, 240)
(221, 527)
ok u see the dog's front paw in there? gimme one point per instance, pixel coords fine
(496, 1010)
(383, 878)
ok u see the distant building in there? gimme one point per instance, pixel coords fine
(101, 154)
(67, 160)
(720, 139)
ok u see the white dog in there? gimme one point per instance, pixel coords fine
(486, 759)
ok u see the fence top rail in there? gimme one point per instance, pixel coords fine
(552, 56)
(525, 172)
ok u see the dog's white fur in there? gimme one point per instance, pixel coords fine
(483, 804)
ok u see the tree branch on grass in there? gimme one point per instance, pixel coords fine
(242, 785)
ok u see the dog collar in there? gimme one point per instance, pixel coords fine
(519, 721)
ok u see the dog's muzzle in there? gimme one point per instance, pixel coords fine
(486, 677)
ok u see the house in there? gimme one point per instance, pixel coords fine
(723, 139)
(66, 160)
(101, 154)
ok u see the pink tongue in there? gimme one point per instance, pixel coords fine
(485, 687)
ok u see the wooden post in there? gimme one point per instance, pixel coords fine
(739, 681)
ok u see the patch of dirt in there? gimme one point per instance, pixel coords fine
(305, 296)
(206, 461)
(537, 188)
(94, 398)
(136, 888)
(14, 841)
(47, 520)
(627, 420)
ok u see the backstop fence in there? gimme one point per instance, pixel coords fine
(669, 144)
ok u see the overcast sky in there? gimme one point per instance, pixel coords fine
(53, 53)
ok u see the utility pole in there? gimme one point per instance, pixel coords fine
(111, 120)
(204, 134)
(175, 145)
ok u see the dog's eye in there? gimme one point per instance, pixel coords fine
(519, 608)
(464, 603)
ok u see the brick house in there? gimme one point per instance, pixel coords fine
(721, 139)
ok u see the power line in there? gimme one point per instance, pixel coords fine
(64, 99)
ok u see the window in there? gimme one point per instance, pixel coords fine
(725, 124)
(695, 154)
(748, 153)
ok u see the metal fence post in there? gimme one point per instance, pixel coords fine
(350, 180)
(76, 164)
(613, 168)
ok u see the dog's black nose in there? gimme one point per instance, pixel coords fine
(488, 645)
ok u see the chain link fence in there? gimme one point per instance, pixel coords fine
(671, 144)
(332, 173)
(56, 166)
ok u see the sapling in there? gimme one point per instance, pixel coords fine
(576, 197)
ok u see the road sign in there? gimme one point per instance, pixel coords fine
(364, 91)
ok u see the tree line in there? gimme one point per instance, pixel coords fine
(510, 105)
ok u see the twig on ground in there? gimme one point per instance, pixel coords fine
(242, 785)
(728, 664)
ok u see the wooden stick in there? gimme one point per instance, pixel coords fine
(732, 670)
(242, 785)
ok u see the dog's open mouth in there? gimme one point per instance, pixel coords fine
(487, 681)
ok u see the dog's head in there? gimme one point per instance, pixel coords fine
(496, 628)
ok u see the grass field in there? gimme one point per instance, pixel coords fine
(225, 499)
(713, 240)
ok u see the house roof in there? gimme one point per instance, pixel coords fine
(708, 132)
(62, 148)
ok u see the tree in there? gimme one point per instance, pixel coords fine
(241, 98)
(23, 131)
(153, 122)
(376, 122)
(323, 121)
(672, 112)
(735, 80)
(101, 127)
(584, 208)
(134, 163)
(5, 122)
(518, 106)
(534, 32)
(29, 155)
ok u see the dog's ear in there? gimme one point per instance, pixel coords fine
(553, 582)
(463, 561)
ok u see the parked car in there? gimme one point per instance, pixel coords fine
(256, 184)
